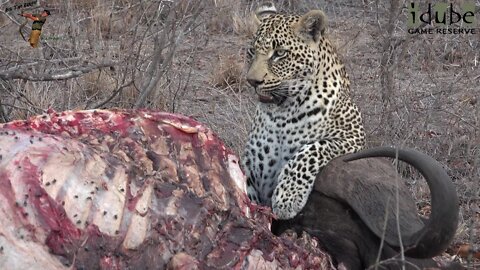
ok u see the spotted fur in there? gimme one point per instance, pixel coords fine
(305, 116)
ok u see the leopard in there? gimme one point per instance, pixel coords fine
(304, 115)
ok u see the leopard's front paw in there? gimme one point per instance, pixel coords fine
(288, 199)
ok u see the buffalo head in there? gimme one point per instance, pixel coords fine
(363, 214)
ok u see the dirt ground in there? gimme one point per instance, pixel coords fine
(414, 90)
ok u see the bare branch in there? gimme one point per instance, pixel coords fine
(161, 63)
(9, 17)
(153, 72)
(63, 74)
(111, 97)
(3, 114)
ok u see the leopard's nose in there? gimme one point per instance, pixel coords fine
(255, 81)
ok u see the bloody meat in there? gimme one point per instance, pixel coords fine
(132, 189)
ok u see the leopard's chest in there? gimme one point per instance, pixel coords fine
(274, 140)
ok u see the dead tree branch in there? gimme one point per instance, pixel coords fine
(57, 75)
(111, 97)
(168, 39)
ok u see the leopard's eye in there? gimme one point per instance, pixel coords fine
(279, 54)
(251, 52)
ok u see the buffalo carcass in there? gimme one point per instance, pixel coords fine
(131, 190)
(359, 207)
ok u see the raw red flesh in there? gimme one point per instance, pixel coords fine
(131, 190)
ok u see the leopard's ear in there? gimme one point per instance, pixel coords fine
(265, 10)
(312, 25)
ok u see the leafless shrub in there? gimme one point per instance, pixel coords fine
(96, 54)
(429, 84)
(86, 4)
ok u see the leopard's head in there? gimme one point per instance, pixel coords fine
(286, 53)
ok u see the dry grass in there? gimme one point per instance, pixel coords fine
(228, 71)
(96, 82)
(220, 16)
(244, 24)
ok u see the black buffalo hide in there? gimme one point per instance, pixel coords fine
(354, 212)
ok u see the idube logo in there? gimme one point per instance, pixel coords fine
(443, 18)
